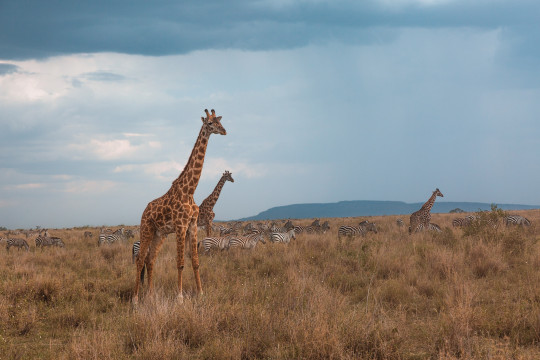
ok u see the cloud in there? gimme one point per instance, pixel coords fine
(25, 186)
(161, 29)
(89, 186)
(214, 168)
(114, 149)
(164, 170)
(103, 76)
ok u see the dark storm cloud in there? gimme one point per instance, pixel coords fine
(38, 29)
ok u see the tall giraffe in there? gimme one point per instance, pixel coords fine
(206, 213)
(420, 219)
(176, 212)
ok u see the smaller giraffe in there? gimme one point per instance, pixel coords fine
(420, 219)
(206, 213)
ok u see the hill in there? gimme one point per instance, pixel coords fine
(370, 208)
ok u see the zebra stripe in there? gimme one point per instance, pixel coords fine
(135, 251)
(246, 242)
(221, 243)
(134, 254)
(516, 220)
(17, 242)
(283, 237)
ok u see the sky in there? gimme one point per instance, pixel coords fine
(323, 101)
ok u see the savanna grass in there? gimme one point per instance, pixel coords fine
(390, 295)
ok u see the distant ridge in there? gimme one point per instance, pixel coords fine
(371, 208)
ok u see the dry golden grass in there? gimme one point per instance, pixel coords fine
(386, 296)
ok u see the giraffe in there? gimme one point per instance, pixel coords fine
(206, 213)
(176, 212)
(420, 219)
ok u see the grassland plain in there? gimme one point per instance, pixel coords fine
(449, 295)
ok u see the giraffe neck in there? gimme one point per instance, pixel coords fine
(213, 197)
(429, 204)
(189, 178)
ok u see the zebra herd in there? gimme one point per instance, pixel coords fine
(42, 240)
(509, 220)
(107, 236)
(229, 236)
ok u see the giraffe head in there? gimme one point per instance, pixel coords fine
(213, 123)
(228, 176)
(438, 192)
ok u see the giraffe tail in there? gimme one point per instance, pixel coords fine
(142, 273)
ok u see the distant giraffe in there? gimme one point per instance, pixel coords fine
(420, 219)
(176, 212)
(206, 213)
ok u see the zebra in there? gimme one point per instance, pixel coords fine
(246, 242)
(431, 227)
(362, 229)
(461, 222)
(265, 228)
(516, 220)
(400, 223)
(283, 237)
(248, 228)
(58, 242)
(88, 234)
(18, 242)
(229, 230)
(129, 234)
(310, 229)
(42, 241)
(106, 236)
(288, 226)
(208, 243)
(325, 227)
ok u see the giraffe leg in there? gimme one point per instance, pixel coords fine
(192, 237)
(208, 226)
(147, 233)
(211, 217)
(151, 258)
(180, 247)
